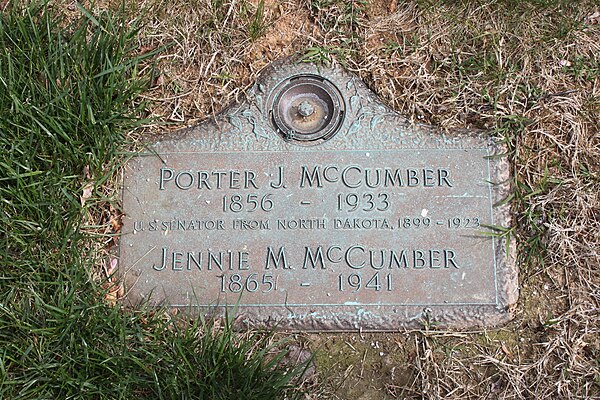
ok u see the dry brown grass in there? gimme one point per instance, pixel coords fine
(527, 74)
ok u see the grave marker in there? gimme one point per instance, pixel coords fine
(316, 207)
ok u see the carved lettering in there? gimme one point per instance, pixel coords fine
(351, 176)
(166, 174)
(350, 261)
(443, 176)
(361, 223)
(313, 260)
(331, 178)
(351, 183)
(370, 180)
(213, 260)
(249, 177)
(354, 176)
(177, 260)
(191, 258)
(330, 254)
(434, 258)
(279, 182)
(401, 262)
(355, 257)
(138, 226)
(251, 224)
(359, 257)
(243, 261)
(377, 264)
(449, 259)
(203, 182)
(392, 179)
(302, 223)
(186, 225)
(276, 261)
(234, 180)
(311, 178)
(413, 177)
(184, 180)
(163, 264)
(208, 180)
(418, 259)
(428, 177)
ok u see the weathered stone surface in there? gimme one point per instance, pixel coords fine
(379, 226)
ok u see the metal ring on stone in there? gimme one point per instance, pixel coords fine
(307, 108)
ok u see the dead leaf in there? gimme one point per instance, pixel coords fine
(565, 63)
(114, 289)
(593, 19)
(87, 192)
(113, 294)
(112, 268)
(146, 49)
(86, 172)
(115, 222)
(505, 350)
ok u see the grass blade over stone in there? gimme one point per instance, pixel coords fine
(69, 93)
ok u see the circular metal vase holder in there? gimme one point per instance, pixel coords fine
(306, 109)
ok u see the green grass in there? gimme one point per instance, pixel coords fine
(256, 26)
(69, 93)
(341, 21)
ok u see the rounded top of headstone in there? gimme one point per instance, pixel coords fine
(306, 108)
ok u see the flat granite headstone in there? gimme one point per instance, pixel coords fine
(313, 206)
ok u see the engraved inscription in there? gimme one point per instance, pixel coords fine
(208, 180)
(375, 227)
(355, 176)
